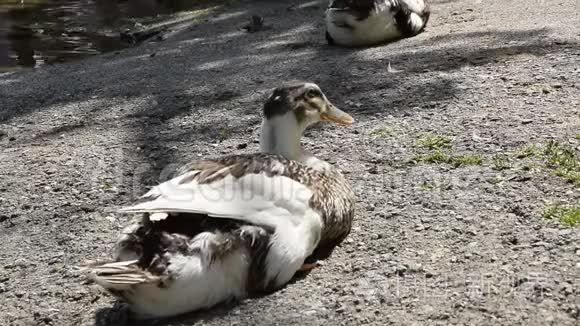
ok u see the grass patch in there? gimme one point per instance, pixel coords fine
(466, 160)
(437, 156)
(224, 133)
(570, 175)
(384, 131)
(569, 215)
(563, 160)
(501, 162)
(526, 151)
(426, 186)
(577, 135)
(432, 141)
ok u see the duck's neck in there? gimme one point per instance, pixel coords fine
(281, 135)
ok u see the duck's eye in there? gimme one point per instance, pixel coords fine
(312, 93)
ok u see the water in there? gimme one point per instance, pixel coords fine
(38, 32)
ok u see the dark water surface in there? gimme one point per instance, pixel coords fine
(38, 32)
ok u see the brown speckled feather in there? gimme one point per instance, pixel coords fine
(332, 196)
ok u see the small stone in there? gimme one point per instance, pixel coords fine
(12, 138)
(400, 270)
(414, 267)
(88, 208)
(565, 232)
(389, 214)
(568, 290)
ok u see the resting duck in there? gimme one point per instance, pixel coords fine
(238, 225)
(371, 22)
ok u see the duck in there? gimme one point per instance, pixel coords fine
(222, 229)
(355, 23)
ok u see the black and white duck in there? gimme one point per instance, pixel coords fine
(372, 22)
(238, 225)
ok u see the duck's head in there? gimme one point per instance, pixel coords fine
(304, 104)
(289, 111)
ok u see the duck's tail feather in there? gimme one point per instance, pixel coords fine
(119, 275)
(416, 23)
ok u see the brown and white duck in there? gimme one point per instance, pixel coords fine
(372, 22)
(238, 225)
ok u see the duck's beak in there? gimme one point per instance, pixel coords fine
(334, 114)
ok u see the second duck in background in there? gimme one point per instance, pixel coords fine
(372, 22)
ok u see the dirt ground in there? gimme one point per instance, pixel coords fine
(432, 243)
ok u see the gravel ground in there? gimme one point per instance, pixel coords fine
(432, 244)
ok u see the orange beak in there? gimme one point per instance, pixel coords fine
(334, 114)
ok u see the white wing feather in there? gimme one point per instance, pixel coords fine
(254, 198)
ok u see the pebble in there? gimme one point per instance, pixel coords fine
(310, 312)
(388, 214)
(401, 269)
(414, 267)
(565, 232)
